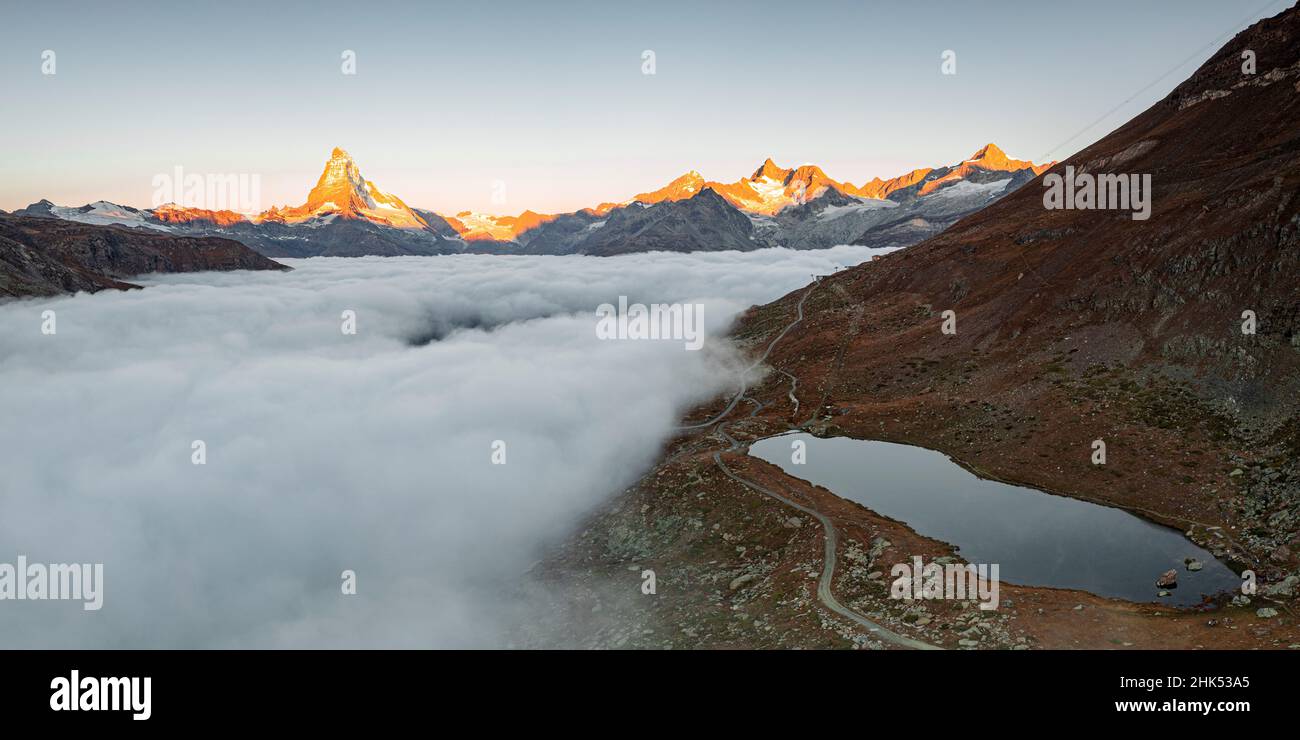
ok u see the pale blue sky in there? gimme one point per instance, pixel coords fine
(549, 98)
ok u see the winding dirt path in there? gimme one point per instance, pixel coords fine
(824, 584)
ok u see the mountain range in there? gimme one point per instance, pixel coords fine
(802, 208)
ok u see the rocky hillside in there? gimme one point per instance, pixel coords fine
(46, 256)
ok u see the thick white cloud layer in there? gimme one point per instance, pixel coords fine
(328, 452)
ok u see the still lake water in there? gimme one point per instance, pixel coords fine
(1036, 538)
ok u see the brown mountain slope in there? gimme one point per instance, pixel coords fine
(44, 256)
(1098, 326)
(1072, 326)
(1106, 327)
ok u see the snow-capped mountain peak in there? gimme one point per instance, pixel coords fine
(342, 191)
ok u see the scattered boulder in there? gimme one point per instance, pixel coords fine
(879, 545)
(1193, 564)
(741, 581)
(1286, 588)
(1168, 580)
(1266, 612)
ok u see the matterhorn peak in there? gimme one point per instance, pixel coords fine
(342, 191)
(341, 188)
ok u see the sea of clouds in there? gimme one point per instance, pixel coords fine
(328, 452)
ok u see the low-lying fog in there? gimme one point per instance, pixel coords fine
(328, 452)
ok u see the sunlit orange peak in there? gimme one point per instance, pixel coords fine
(341, 191)
(172, 213)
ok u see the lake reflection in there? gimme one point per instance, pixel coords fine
(1036, 538)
